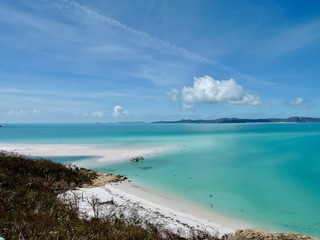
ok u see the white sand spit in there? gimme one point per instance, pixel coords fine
(106, 153)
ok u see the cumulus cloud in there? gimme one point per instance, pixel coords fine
(174, 94)
(208, 90)
(295, 102)
(119, 111)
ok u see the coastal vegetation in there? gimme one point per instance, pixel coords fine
(30, 208)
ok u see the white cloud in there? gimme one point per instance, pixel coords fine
(208, 90)
(119, 111)
(186, 106)
(174, 94)
(97, 114)
(22, 113)
(295, 102)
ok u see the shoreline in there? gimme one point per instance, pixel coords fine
(173, 212)
(144, 206)
(179, 209)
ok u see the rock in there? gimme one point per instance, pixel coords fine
(137, 159)
(104, 178)
(251, 234)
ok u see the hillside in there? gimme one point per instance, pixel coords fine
(246, 120)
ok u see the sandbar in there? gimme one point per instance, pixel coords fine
(105, 153)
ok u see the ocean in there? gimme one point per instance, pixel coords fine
(264, 174)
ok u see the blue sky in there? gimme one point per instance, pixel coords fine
(123, 60)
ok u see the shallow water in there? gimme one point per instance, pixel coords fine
(70, 159)
(267, 174)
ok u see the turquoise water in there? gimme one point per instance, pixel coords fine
(267, 174)
(70, 159)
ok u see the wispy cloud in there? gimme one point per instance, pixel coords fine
(174, 94)
(144, 39)
(97, 114)
(294, 102)
(38, 25)
(186, 106)
(292, 39)
(94, 40)
(80, 11)
(11, 91)
(20, 114)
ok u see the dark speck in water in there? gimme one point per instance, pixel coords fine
(145, 168)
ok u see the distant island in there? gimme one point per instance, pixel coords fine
(245, 120)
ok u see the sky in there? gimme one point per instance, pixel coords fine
(149, 60)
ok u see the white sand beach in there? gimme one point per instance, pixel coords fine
(174, 214)
(167, 212)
